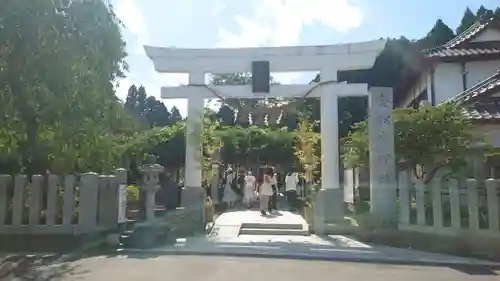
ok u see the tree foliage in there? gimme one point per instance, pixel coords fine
(148, 109)
(429, 137)
(437, 36)
(58, 64)
(469, 18)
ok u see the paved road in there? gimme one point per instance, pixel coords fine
(205, 268)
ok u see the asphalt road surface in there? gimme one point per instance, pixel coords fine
(217, 268)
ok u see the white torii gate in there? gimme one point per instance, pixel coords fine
(326, 59)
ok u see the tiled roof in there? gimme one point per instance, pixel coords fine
(486, 86)
(475, 102)
(453, 47)
(472, 31)
(441, 53)
(483, 110)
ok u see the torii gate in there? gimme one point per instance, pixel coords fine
(261, 62)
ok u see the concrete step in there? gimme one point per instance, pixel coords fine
(272, 225)
(274, 231)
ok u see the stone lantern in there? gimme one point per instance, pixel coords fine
(150, 184)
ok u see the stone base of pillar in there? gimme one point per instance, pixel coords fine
(193, 198)
(328, 209)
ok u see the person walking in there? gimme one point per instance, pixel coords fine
(230, 196)
(266, 191)
(273, 201)
(249, 189)
(291, 183)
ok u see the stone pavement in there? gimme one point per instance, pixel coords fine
(332, 247)
(200, 268)
(225, 239)
(234, 223)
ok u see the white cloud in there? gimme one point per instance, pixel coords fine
(218, 8)
(130, 13)
(279, 23)
(132, 17)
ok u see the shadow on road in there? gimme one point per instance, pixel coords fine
(35, 267)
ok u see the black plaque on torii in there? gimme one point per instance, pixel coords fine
(261, 75)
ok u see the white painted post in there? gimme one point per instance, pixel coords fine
(194, 129)
(492, 186)
(331, 195)
(121, 196)
(382, 157)
(193, 195)
(329, 133)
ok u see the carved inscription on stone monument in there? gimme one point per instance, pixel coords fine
(382, 157)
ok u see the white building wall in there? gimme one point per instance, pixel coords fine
(447, 81)
(489, 34)
(492, 133)
(477, 71)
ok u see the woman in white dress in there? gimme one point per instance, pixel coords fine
(230, 197)
(249, 191)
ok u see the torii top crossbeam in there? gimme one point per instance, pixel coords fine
(351, 56)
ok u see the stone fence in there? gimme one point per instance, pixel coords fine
(449, 208)
(50, 204)
(444, 207)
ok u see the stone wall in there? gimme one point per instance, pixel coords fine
(463, 245)
(185, 222)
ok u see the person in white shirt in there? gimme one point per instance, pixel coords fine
(266, 191)
(249, 193)
(291, 183)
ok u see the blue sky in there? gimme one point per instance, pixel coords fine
(252, 23)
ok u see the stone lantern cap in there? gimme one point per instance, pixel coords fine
(150, 174)
(151, 167)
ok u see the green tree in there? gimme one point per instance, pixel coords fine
(176, 115)
(468, 19)
(482, 11)
(147, 109)
(428, 137)
(437, 36)
(59, 62)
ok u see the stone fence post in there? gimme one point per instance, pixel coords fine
(88, 205)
